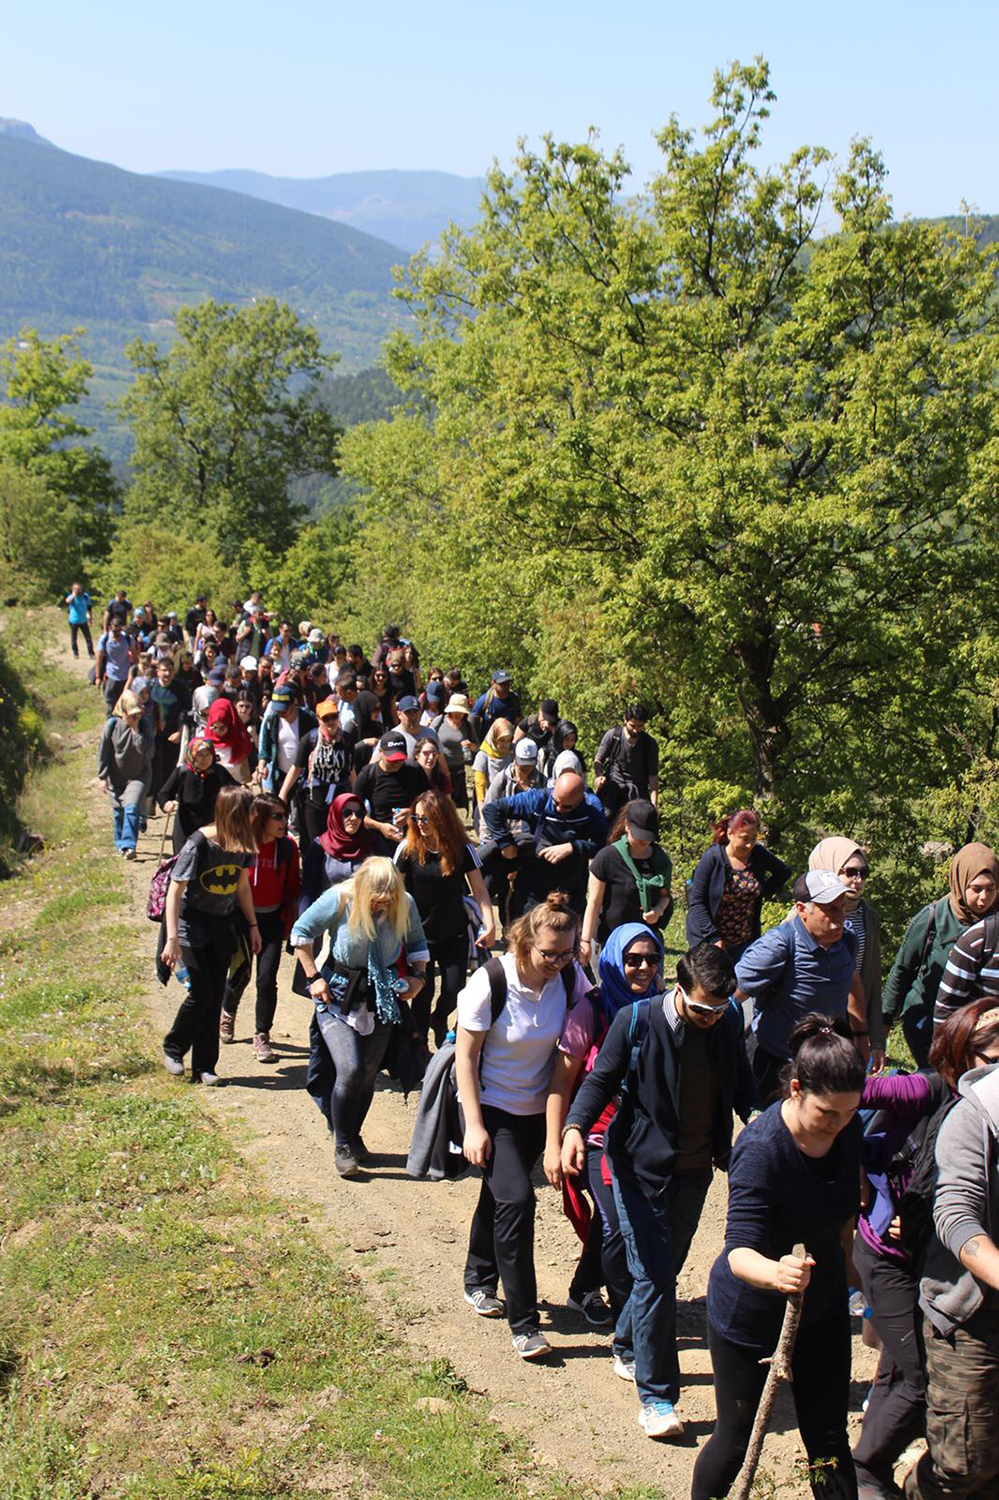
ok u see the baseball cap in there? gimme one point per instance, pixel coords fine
(821, 886)
(171, 614)
(283, 695)
(316, 636)
(526, 752)
(500, 676)
(327, 708)
(217, 676)
(299, 659)
(435, 692)
(549, 708)
(407, 704)
(643, 820)
(392, 746)
(249, 663)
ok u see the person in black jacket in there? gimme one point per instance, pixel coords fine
(680, 1066)
(191, 789)
(730, 884)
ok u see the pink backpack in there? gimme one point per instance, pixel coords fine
(158, 886)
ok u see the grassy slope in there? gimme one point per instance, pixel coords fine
(145, 1281)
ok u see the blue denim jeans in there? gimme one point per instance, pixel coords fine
(126, 824)
(657, 1236)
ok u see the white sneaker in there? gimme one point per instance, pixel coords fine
(211, 1080)
(624, 1368)
(659, 1419)
(173, 1065)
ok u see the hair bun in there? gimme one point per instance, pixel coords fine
(557, 901)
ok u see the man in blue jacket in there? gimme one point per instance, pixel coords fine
(565, 826)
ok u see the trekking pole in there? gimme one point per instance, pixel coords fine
(166, 829)
(780, 1368)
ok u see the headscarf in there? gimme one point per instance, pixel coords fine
(969, 861)
(832, 854)
(196, 743)
(337, 842)
(489, 744)
(237, 741)
(127, 704)
(562, 728)
(615, 991)
(141, 685)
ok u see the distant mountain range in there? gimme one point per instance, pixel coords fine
(406, 208)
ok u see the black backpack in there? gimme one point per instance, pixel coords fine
(916, 1203)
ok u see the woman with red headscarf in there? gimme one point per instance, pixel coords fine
(227, 733)
(191, 789)
(335, 854)
(730, 884)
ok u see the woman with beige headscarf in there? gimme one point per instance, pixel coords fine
(912, 985)
(846, 858)
(125, 767)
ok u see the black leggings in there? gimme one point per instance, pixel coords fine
(896, 1411)
(501, 1239)
(268, 962)
(820, 1367)
(196, 1024)
(450, 960)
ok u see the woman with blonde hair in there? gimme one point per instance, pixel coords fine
(208, 881)
(436, 860)
(125, 767)
(516, 1017)
(374, 927)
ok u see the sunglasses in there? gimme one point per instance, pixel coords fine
(641, 961)
(419, 818)
(351, 812)
(714, 1011)
(856, 872)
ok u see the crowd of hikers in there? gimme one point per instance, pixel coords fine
(388, 827)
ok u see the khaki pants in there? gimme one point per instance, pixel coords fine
(962, 1413)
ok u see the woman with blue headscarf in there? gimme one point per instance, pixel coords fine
(678, 1062)
(630, 969)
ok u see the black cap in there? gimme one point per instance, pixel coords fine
(643, 819)
(392, 746)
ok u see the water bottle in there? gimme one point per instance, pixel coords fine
(858, 1304)
(400, 986)
(181, 974)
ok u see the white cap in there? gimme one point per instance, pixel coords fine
(249, 663)
(824, 887)
(526, 751)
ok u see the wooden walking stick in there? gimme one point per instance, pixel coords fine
(780, 1368)
(167, 821)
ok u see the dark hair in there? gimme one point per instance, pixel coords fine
(347, 678)
(637, 711)
(732, 822)
(317, 670)
(824, 1059)
(953, 1049)
(706, 967)
(264, 806)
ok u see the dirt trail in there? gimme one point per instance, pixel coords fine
(407, 1239)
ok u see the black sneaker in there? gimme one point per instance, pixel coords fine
(593, 1307)
(345, 1162)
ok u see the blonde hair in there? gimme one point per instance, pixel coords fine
(377, 879)
(128, 703)
(554, 914)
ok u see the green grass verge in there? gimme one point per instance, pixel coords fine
(167, 1330)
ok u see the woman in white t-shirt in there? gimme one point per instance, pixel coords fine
(503, 1073)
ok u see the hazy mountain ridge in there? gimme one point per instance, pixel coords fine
(406, 208)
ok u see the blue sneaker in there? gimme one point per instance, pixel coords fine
(659, 1420)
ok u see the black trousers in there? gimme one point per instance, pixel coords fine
(449, 960)
(83, 629)
(501, 1239)
(896, 1411)
(165, 756)
(312, 820)
(766, 1069)
(604, 1260)
(536, 877)
(268, 962)
(820, 1367)
(195, 1027)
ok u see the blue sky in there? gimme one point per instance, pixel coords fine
(304, 88)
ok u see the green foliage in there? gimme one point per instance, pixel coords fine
(20, 742)
(162, 562)
(226, 420)
(318, 567)
(689, 450)
(37, 434)
(39, 544)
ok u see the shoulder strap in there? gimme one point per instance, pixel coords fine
(928, 935)
(638, 1030)
(569, 984)
(990, 941)
(497, 988)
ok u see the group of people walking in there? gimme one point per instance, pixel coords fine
(572, 1049)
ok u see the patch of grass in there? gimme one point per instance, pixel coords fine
(169, 1331)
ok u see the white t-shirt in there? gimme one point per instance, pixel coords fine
(287, 744)
(519, 1051)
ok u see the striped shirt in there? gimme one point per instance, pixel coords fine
(972, 971)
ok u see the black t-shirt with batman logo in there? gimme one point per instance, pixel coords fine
(212, 876)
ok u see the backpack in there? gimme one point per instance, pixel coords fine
(916, 1205)
(158, 887)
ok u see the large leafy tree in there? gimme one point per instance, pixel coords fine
(757, 456)
(226, 420)
(42, 381)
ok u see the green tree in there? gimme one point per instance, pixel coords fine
(225, 421)
(316, 577)
(41, 379)
(39, 550)
(162, 563)
(760, 459)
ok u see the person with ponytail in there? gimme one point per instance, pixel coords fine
(275, 881)
(209, 880)
(191, 789)
(730, 884)
(678, 1062)
(517, 1016)
(794, 1179)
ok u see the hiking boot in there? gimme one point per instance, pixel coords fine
(262, 1049)
(486, 1304)
(345, 1162)
(624, 1367)
(659, 1419)
(173, 1065)
(227, 1027)
(532, 1345)
(211, 1080)
(593, 1307)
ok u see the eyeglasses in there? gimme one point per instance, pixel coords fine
(855, 872)
(987, 1057)
(557, 960)
(641, 961)
(418, 818)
